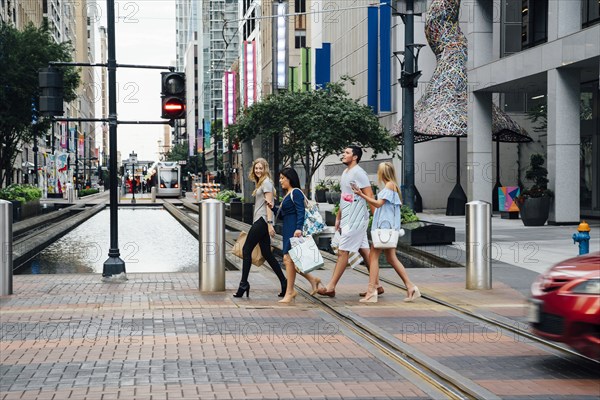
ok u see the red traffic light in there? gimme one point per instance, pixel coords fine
(172, 108)
(173, 95)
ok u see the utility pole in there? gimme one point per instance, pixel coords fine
(203, 152)
(216, 144)
(409, 107)
(114, 265)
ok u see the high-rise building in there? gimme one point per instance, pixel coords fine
(207, 46)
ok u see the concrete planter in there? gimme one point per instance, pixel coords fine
(23, 211)
(535, 211)
(423, 233)
(329, 218)
(236, 210)
(335, 197)
(320, 196)
(248, 213)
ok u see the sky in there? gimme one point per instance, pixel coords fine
(145, 35)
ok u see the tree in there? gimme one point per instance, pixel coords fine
(314, 125)
(179, 152)
(22, 54)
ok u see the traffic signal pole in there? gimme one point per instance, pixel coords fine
(114, 265)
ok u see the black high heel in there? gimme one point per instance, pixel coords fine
(283, 289)
(244, 288)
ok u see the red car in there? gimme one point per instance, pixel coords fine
(565, 304)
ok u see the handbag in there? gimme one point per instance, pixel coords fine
(386, 238)
(257, 257)
(305, 254)
(313, 220)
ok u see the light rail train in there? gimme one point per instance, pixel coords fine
(167, 179)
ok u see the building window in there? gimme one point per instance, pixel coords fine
(300, 39)
(511, 27)
(524, 25)
(300, 8)
(534, 17)
(590, 12)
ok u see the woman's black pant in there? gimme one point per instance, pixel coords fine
(259, 234)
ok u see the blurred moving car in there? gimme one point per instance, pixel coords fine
(565, 304)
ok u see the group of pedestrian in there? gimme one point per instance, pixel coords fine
(351, 222)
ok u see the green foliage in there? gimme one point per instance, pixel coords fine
(226, 196)
(87, 192)
(374, 187)
(179, 152)
(22, 193)
(538, 174)
(408, 215)
(314, 124)
(22, 54)
(322, 185)
(336, 208)
(335, 187)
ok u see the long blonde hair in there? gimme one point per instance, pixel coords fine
(387, 173)
(266, 174)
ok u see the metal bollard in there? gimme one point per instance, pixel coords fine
(212, 246)
(153, 194)
(478, 243)
(6, 241)
(70, 195)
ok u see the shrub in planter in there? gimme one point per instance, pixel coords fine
(227, 196)
(25, 199)
(87, 192)
(320, 190)
(336, 192)
(534, 203)
(21, 193)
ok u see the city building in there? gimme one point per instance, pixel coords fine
(206, 47)
(73, 22)
(543, 55)
(524, 56)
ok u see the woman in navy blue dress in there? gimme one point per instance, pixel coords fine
(292, 211)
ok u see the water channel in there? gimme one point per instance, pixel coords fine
(150, 240)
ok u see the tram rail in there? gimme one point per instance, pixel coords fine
(523, 334)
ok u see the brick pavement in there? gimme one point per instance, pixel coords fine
(487, 355)
(158, 337)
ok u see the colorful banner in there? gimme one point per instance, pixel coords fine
(207, 134)
(62, 127)
(249, 73)
(199, 141)
(81, 145)
(72, 132)
(62, 174)
(228, 98)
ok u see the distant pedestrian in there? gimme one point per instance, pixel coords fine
(388, 208)
(262, 228)
(292, 211)
(352, 219)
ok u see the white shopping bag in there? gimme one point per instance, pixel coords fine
(354, 258)
(305, 254)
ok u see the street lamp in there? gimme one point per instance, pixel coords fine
(133, 160)
(409, 78)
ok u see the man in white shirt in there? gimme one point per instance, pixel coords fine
(352, 218)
